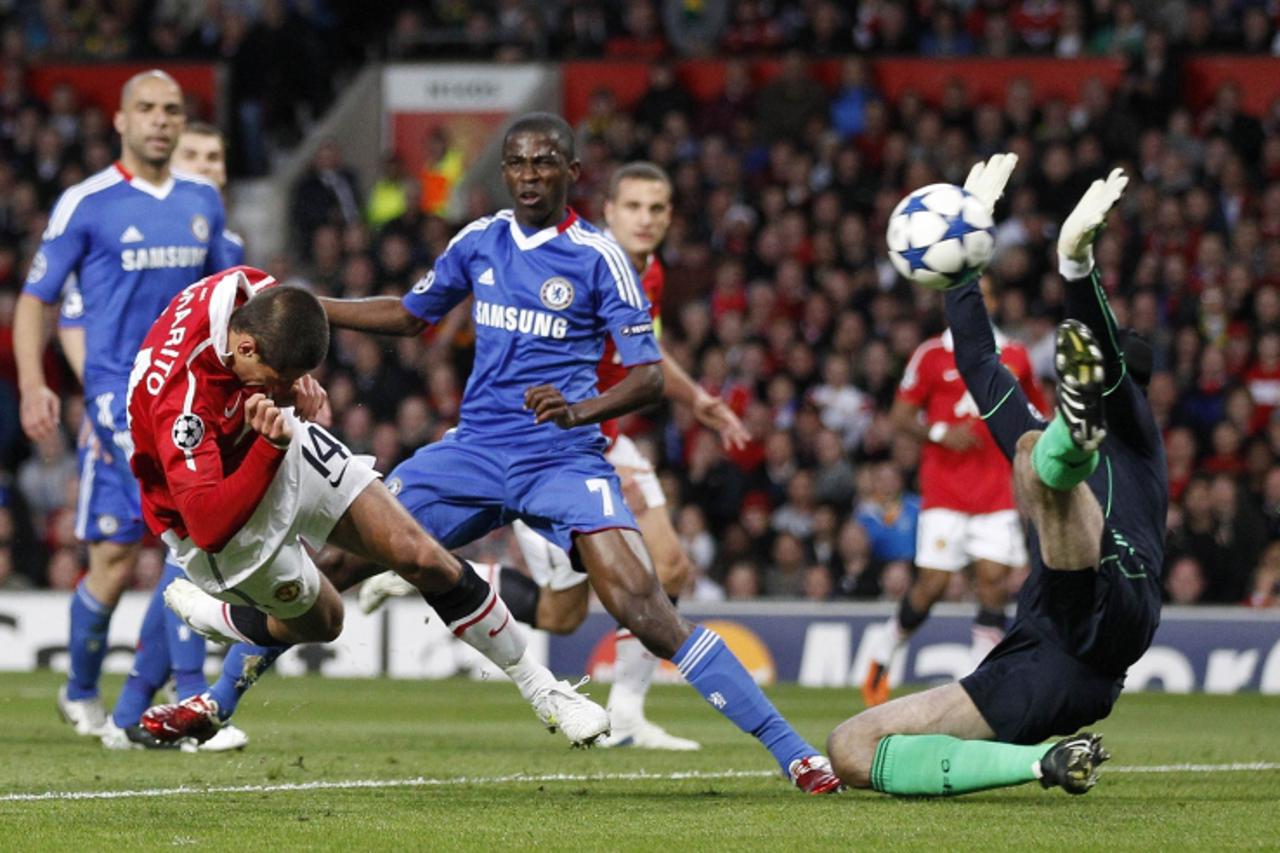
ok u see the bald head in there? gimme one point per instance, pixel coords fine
(155, 74)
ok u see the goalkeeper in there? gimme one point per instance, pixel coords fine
(1093, 484)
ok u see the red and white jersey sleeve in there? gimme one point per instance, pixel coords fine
(979, 480)
(201, 470)
(611, 372)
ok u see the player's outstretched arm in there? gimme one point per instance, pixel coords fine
(380, 315)
(1000, 399)
(642, 386)
(40, 407)
(711, 411)
(1084, 297)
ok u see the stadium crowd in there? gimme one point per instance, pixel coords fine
(779, 296)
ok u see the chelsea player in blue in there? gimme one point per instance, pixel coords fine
(133, 236)
(547, 288)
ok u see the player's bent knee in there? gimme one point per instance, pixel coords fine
(852, 748)
(1028, 440)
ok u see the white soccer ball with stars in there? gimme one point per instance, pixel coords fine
(940, 236)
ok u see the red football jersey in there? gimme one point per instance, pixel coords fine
(610, 371)
(978, 480)
(201, 469)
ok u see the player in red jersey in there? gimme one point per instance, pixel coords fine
(234, 482)
(967, 514)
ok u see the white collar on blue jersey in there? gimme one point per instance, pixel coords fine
(160, 191)
(526, 242)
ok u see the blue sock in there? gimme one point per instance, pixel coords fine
(241, 668)
(150, 665)
(706, 663)
(87, 645)
(186, 648)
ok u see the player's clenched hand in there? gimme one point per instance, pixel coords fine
(309, 397)
(265, 417)
(713, 412)
(548, 404)
(959, 437)
(40, 410)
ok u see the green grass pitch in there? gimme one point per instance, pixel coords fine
(310, 730)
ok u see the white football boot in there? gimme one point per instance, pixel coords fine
(561, 706)
(377, 589)
(87, 716)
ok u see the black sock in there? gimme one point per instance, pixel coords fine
(251, 622)
(908, 617)
(990, 619)
(520, 594)
(464, 599)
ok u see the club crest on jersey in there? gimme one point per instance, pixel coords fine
(288, 591)
(200, 228)
(556, 293)
(39, 266)
(394, 485)
(187, 431)
(108, 525)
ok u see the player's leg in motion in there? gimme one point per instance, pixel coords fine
(936, 743)
(1050, 467)
(109, 519)
(617, 564)
(149, 672)
(377, 528)
(95, 599)
(634, 665)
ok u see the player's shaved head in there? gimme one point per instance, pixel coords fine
(131, 85)
(545, 124)
(289, 327)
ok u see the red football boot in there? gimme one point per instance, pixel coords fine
(814, 775)
(196, 717)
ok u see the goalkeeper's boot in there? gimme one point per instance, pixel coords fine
(194, 717)
(814, 775)
(1081, 377)
(1072, 763)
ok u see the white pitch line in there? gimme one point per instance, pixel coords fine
(638, 776)
(1194, 768)
(416, 782)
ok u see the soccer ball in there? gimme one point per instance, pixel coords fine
(940, 236)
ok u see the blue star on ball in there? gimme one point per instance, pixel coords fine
(915, 257)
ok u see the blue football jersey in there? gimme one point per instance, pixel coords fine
(131, 247)
(71, 314)
(544, 304)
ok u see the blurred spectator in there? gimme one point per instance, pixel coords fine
(326, 194)
(1184, 582)
(889, 515)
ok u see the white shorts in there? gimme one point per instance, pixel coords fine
(948, 541)
(265, 564)
(548, 563)
(624, 455)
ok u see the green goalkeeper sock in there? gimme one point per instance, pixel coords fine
(940, 765)
(1058, 461)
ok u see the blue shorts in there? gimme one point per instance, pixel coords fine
(109, 505)
(459, 490)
